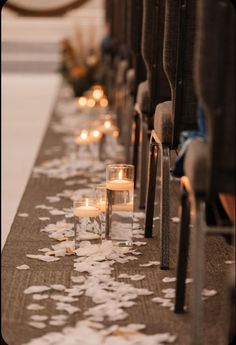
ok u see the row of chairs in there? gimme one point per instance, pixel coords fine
(168, 57)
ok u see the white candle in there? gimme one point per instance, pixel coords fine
(120, 183)
(86, 211)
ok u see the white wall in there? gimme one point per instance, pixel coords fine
(88, 19)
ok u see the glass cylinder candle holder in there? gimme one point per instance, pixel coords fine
(120, 201)
(101, 199)
(87, 221)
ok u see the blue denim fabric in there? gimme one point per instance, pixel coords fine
(185, 139)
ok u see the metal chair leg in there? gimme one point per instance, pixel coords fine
(128, 128)
(164, 206)
(143, 164)
(183, 253)
(152, 172)
(198, 274)
(136, 121)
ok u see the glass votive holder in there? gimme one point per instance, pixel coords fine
(87, 221)
(101, 199)
(120, 201)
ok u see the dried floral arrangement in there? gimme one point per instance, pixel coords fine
(80, 72)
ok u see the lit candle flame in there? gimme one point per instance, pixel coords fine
(107, 124)
(96, 134)
(120, 174)
(86, 202)
(97, 94)
(82, 101)
(84, 135)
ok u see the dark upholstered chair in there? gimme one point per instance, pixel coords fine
(172, 117)
(136, 73)
(152, 91)
(209, 165)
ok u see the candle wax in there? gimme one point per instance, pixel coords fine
(120, 184)
(86, 211)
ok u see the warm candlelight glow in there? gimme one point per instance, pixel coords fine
(97, 94)
(108, 117)
(91, 103)
(86, 202)
(120, 175)
(84, 135)
(96, 134)
(107, 124)
(116, 133)
(103, 102)
(82, 101)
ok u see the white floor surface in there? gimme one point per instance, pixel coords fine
(27, 103)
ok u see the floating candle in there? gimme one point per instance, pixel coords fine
(86, 211)
(120, 183)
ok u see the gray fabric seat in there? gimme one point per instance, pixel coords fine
(163, 124)
(195, 165)
(210, 166)
(175, 115)
(121, 72)
(143, 97)
(130, 79)
(158, 88)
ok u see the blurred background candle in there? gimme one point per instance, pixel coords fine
(95, 136)
(91, 103)
(82, 138)
(87, 221)
(97, 93)
(103, 102)
(82, 102)
(119, 212)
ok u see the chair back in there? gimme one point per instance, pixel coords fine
(134, 37)
(215, 87)
(152, 52)
(178, 52)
